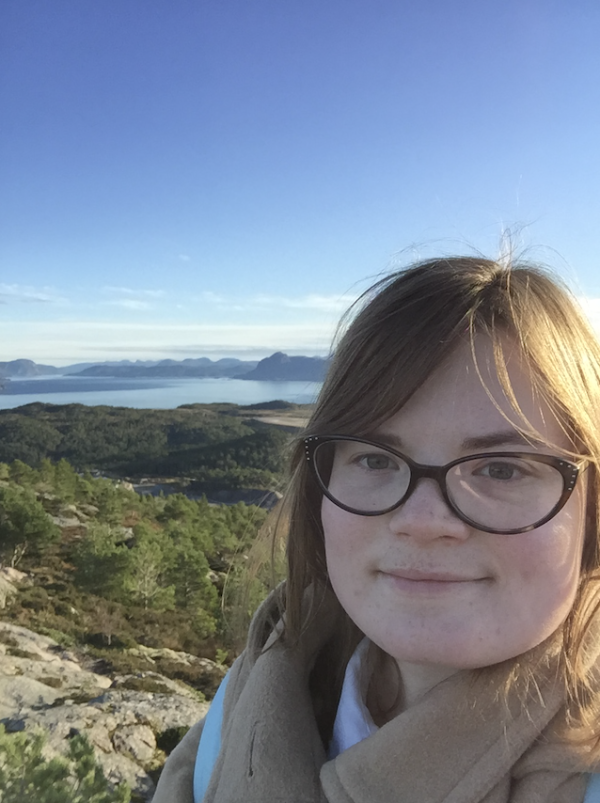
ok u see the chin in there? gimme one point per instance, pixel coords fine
(453, 657)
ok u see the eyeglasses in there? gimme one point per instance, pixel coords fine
(497, 492)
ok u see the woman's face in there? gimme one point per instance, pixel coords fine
(425, 586)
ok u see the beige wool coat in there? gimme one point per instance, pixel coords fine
(458, 745)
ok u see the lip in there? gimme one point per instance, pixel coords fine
(429, 582)
(420, 576)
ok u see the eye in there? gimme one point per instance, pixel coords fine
(502, 470)
(377, 461)
(499, 471)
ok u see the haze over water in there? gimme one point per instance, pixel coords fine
(152, 393)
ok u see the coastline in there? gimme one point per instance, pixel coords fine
(159, 393)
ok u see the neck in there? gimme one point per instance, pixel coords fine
(396, 686)
(418, 679)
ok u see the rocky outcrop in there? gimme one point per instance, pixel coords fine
(44, 685)
(10, 579)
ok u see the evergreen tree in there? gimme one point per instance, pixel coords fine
(101, 561)
(108, 500)
(149, 562)
(22, 474)
(65, 481)
(189, 575)
(24, 524)
(46, 475)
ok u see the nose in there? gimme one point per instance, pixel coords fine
(427, 516)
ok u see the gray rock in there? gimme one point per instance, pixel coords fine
(122, 725)
(7, 592)
(89, 510)
(66, 523)
(9, 580)
(160, 711)
(37, 659)
(136, 741)
(20, 693)
(15, 576)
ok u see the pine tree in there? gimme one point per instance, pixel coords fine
(25, 774)
(189, 575)
(101, 561)
(24, 524)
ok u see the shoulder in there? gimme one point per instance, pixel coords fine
(176, 780)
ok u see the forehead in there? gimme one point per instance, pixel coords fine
(465, 399)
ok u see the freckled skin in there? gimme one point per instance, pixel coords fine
(515, 590)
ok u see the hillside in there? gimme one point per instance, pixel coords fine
(218, 447)
(113, 617)
(118, 610)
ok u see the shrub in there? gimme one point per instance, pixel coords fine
(64, 640)
(168, 740)
(6, 638)
(35, 598)
(26, 775)
(147, 684)
(118, 662)
(53, 683)
(195, 675)
(17, 652)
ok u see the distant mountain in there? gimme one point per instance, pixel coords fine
(81, 366)
(26, 368)
(189, 368)
(281, 367)
(29, 368)
(277, 367)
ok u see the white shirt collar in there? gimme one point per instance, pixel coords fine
(353, 722)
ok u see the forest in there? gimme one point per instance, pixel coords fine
(217, 446)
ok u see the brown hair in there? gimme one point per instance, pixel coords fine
(400, 331)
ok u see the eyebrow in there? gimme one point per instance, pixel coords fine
(505, 437)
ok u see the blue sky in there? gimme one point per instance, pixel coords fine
(221, 177)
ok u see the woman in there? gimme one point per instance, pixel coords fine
(435, 637)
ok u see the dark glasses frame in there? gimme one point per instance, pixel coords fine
(568, 471)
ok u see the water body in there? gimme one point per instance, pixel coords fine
(151, 393)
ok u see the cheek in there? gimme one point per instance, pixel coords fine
(345, 548)
(558, 555)
(336, 533)
(339, 527)
(545, 572)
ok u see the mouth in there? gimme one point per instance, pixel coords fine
(419, 575)
(429, 581)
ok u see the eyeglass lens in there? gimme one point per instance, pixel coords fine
(502, 493)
